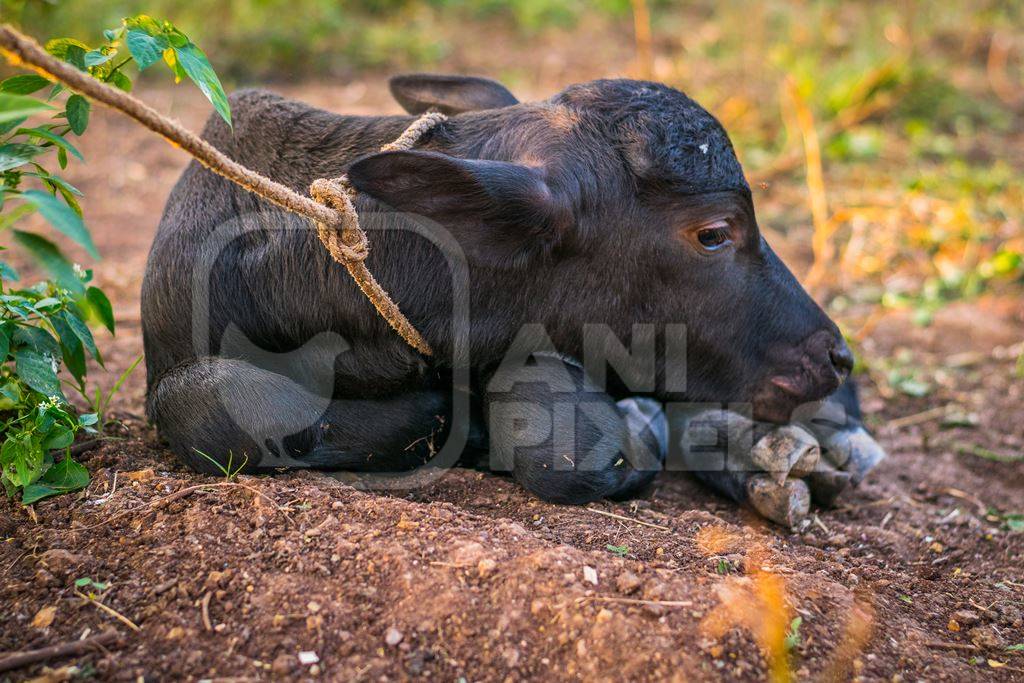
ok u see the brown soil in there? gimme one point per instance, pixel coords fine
(915, 576)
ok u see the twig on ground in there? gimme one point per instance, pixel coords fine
(84, 447)
(16, 660)
(187, 491)
(16, 561)
(109, 610)
(629, 519)
(940, 645)
(861, 506)
(635, 601)
(919, 418)
(974, 500)
(885, 520)
(205, 605)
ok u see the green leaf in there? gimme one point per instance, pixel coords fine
(8, 126)
(37, 370)
(97, 57)
(81, 331)
(63, 477)
(25, 84)
(77, 108)
(16, 154)
(58, 186)
(121, 81)
(10, 217)
(71, 348)
(145, 23)
(49, 256)
(82, 583)
(58, 437)
(53, 138)
(54, 180)
(793, 637)
(101, 307)
(7, 272)
(62, 217)
(22, 459)
(74, 361)
(37, 339)
(47, 302)
(10, 395)
(5, 344)
(19, 106)
(145, 49)
(175, 66)
(70, 50)
(195, 64)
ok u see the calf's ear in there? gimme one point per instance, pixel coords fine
(448, 94)
(502, 214)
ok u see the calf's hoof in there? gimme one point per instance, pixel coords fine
(784, 504)
(853, 451)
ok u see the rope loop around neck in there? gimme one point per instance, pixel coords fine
(347, 243)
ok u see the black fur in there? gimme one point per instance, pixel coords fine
(569, 211)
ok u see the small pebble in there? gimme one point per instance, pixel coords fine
(393, 636)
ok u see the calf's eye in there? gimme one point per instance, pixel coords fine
(715, 236)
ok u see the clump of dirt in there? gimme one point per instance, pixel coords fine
(916, 575)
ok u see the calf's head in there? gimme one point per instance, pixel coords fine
(616, 203)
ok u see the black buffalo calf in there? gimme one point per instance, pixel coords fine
(612, 221)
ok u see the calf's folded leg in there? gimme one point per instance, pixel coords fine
(215, 411)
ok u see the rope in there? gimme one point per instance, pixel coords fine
(330, 207)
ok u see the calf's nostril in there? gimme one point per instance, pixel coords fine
(842, 358)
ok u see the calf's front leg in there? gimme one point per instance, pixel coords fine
(564, 440)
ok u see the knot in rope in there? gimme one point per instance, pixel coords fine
(346, 241)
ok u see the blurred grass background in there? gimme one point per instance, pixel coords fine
(885, 140)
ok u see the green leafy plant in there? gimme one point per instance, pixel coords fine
(793, 637)
(230, 469)
(99, 402)
(45, 340)
(89, 585)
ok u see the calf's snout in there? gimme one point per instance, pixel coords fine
(842, 359)
(804, 373)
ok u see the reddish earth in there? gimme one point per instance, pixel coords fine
(917, 575)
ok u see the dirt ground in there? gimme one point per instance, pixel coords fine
(916, 575)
